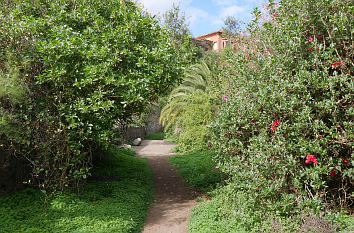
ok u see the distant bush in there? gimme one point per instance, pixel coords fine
(284, 130)
(71, 70)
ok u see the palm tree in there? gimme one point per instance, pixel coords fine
(196, 77)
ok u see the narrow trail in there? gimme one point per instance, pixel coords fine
(173, 198)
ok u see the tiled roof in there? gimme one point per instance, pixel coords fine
(208, 35)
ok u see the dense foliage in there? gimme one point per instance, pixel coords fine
(114, 200)
(284, 130)
(190, 108)
(70, 70)
(175, 23)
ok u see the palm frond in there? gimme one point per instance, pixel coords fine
(196, 77)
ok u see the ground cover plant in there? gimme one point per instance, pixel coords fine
(69, 71)
(284, 130)
(198, 170)
(156, 136)
(114, 200)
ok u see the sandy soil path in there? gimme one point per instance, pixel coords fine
(173, 198)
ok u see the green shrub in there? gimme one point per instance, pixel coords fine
(190, 106)
(189, 110)
(114, 201)
(230, 211)
(194, 134)
(84, 65)
(196, 78)
(198, 170)
(156, 136)
(289, 98)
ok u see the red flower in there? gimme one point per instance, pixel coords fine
(274, 125)
(311, 158)
(336, 63)
(319, 136)
(210, 144)
(214, 168)
(310, 39)
(345, 160)
(274, 14)
(333, 172)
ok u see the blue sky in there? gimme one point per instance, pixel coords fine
(205, 16)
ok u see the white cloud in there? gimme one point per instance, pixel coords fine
(161, 6)
(234, 10)
(199, 16)
(223, 2)
(157, 6)
(195, 14)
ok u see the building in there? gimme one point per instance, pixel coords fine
(219, 42)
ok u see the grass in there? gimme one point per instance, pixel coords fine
(156, 136)
(230, 212)
(116, 204)
(198, 170)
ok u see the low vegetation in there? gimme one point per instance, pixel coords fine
(198, 169)
(115, 199)
(227, 212)
(156, 136)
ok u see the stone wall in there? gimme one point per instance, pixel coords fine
(132, 132)
(153, 124)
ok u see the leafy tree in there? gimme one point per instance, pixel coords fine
(232, 29)
(176, 25)
(232, 26)
(84, 65)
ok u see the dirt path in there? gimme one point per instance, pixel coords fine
(173, 198)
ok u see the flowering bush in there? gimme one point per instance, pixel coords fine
(286, 130)
(311, 159)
